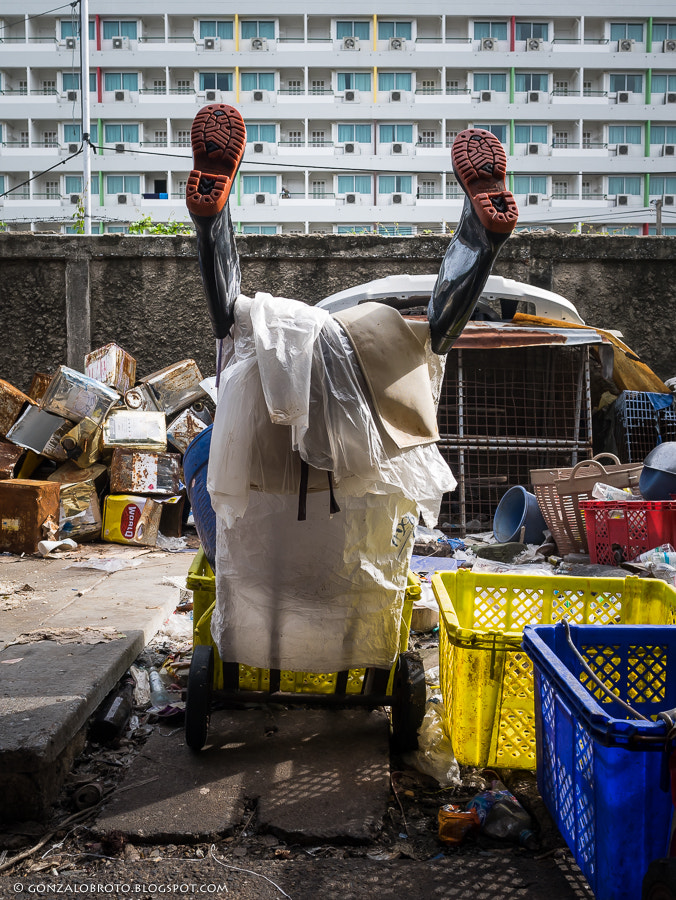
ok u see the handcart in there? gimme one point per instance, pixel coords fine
(212, 681)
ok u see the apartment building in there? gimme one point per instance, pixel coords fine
(351, 110)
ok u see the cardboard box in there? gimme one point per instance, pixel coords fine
(29, 513)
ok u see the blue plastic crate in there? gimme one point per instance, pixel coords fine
(598, 770)
(640, 417)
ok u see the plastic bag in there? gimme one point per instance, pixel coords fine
(434, 755)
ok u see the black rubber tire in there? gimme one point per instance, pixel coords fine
(198, 696)
(409, 695)
(659, 882)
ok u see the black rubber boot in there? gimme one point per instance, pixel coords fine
(488, 218)
(218, 141)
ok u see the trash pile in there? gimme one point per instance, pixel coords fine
(98, 456)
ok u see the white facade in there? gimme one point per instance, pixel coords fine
(350, 116)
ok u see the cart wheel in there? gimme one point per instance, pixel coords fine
(659, 882)
(198, 697)
(408, 701)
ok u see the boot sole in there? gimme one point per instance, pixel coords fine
(480, 165)
(218, 139)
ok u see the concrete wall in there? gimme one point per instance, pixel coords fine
(146, 292)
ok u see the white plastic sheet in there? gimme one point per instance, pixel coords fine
(326, 593)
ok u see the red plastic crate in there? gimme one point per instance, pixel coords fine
(617, 531)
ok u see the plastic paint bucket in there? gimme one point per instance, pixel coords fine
(519, 509)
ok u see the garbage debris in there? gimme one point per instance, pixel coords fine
(114, 713)
(456, 823)
(502, 816)
(49, 548)
(30, 514)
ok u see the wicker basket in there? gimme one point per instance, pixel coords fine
(559, 492)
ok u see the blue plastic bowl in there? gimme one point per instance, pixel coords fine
(658, 475)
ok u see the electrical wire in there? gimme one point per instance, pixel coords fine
(61, 162)
(45, 13)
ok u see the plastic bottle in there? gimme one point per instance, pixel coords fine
(665, 553)
(456, 823)
(159, 695)
(502, 816)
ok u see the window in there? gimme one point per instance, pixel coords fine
(258, 81)
(391, 133)
(50, 139)
(625, 82)
(497, 30)
(73, 184)
(184, 86)
(354, 229)
(123, 184)
(359, 133)
(296, 138)
(48, 87)
(263, 184)
(159, 86)
(72, 132)
(113, 134)
(500, 131)
(71, 28)
(267, 134)
(112, 28)
(394, 184)
(361, 30)
(560, 139)
(662, 83)
(587, 140)
(662, 31)
(490, 81)
(527, 30)
(453, 189)
(426, 189)
(295, 86)
(354, 184)
(624, 134)
(216, 28)
(354, 81)
(52, 190)
(318, 87)
(662, 184)
(387, 30)
(394, 81)
(561, 88)
(259, 229)
(530, 184)
(2, 184)
(450, 137)
(160, 137)
(318, 190)
(624, 184)
(427, 138)
(530, 134)
(258, 29)
(221, 81)
(620, 31)
(183, 138)
(70, 81)
(115, 81)
(428, 87)
(560, 189)
(663, 134)
(530, 81)
(318, 139)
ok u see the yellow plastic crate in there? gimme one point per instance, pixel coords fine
(201, 581)
(487, 679)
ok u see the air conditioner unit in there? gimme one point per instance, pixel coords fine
(669, 200)
(623, 149)
(397, 43)
(259, 43)
(120, 148)
(211, 43)
(74, 199)
(622, 200)
(71, 43)
(71, 96)
(396, 198)
(349, 148)
(258, 148)
(534, 44)
(350, 95)
(395, 96)
(670, 98)
(532, 199)
(120, 43)
(123, 199)
(669, 150)
(397, 148)
(121, 95)
(669, 46)
(489, 43)
(258, 95)
(260, 198)
(350, 43)
(350, 198)
(533, 149)
(486, 96)
(73, 148)
(533, 96)
(623, 97)
(626, 45)
(210, 96)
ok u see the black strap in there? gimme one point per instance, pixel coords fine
(302, 493)
(333, 503)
